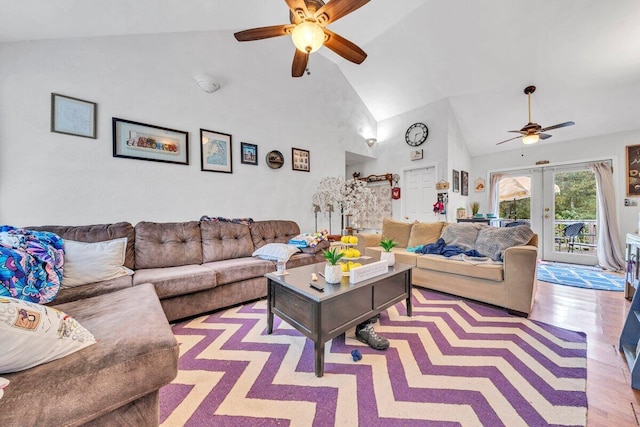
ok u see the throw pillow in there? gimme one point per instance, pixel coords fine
(276, 251)
(86, 263)
(32, 334)
(3, 383)
(396, 230)
(462, 235)
(424, 233)
(493, 241)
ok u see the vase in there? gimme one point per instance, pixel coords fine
(390, 257)
(332, 273)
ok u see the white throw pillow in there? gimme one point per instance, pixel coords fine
(32, 334)
(3, 383)
(86, 263)
(276, 251)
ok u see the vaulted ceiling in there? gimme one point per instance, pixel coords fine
(583, 55)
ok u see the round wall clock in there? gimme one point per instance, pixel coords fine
(275, 159)
(416, 134)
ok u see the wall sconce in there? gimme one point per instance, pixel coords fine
(371, 141)
(207, 83)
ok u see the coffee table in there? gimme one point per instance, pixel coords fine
(322, 316)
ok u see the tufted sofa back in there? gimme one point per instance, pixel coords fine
(96, 233)
(225, 240)
(273, 231)
(168, 244)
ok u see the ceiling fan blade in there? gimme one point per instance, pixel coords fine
(344, 47)
(507, 140)
(299, 10)
(336, 9)
(517, 131)
(299, 65)
(561, 125)
(263, 32)
(545, 136)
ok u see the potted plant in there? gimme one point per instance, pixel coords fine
(387, 255)
(475, 207)
(333, 270)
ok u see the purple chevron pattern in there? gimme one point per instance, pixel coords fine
(453, 363)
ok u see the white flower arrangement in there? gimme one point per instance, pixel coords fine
(351, 197)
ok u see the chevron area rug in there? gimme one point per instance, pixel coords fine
(453, 363)
(579, 277)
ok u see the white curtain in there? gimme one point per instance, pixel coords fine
(609, 251)
(494, 194)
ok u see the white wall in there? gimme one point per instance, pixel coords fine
(610, 146)
(444, 148)
(53, 178)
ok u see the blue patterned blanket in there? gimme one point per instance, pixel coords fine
(30, 264)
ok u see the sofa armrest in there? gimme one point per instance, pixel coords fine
(366, 240)
(520, 277)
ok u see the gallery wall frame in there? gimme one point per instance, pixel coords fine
(216, 151)
(248, 154)
(456, 180)
(141, 141)
(632, 164)
(300, 160)
(73, 116)
(274, 159)
(464, 178)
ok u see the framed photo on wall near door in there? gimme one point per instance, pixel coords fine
(633, 170)
(456, 181)
(464, 177)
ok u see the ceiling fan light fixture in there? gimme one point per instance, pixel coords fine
(308, 36)
(530, 139)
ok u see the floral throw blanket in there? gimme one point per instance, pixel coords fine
(30, 264)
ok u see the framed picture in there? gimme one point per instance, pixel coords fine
(300, 160)
(464, 177)
(215, 151)
(633, 170)
(479, 185)
(456, 181)
(275, 159)
(73, 116)
(248, 153)
(416, 154)
(133, 140)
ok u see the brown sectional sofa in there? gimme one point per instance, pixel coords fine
(510, 284)
(181, 270)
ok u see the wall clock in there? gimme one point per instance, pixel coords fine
(275, 159)
(416, 134)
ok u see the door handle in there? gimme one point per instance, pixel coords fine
(546, 216)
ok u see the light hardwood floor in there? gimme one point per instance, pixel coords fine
(601, 315)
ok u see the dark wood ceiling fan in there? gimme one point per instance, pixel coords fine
(532, 132)
(309, 19)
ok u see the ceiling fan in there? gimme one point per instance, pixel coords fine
(532, 132)
(309, 19)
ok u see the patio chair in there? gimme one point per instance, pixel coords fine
(516, 223)
(569, 236)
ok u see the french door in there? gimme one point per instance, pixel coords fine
(552, 199)
(419, 194)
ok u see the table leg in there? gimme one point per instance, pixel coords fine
(319, 356)
(269, 306)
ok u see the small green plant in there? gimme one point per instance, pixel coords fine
(333, 256)
(387, 244)
(475, 207)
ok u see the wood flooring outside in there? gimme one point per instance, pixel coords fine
(601, 315)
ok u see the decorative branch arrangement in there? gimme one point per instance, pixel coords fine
(351, 197)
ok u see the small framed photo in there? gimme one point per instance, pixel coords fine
(248, 153)
(300, 160)
(456, 181)
(633, 170)
(133, 140)
(479, 185)
(73, 116)
(215, 151)
(416, 154)
(464, 177)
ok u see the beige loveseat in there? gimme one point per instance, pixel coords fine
(510, 283)
(180, 270)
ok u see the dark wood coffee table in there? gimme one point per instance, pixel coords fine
(322, 316)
